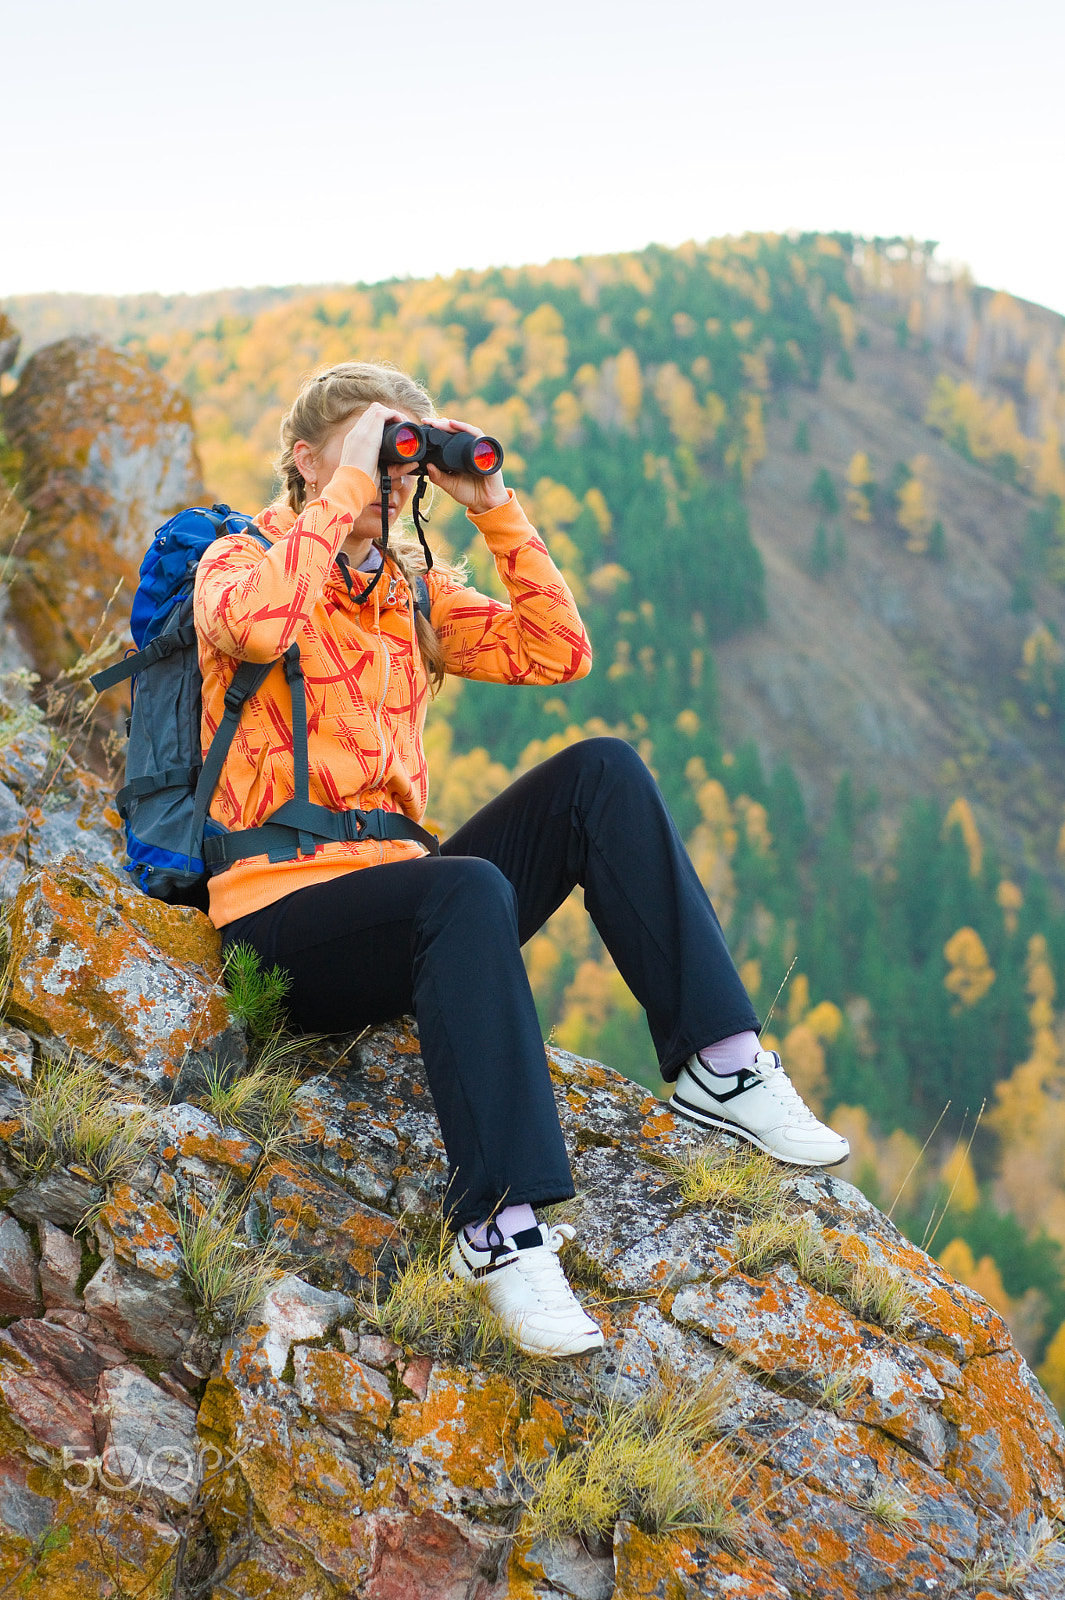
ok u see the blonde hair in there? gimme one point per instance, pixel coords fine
(329, 397)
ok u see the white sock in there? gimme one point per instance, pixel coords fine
(731, 1055)
(509, 1221)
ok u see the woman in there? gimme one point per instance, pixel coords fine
(369, 930)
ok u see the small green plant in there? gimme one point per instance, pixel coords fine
(73, 1115)
(748, 1184)
(652, 1462)
(225, 1274)
(256, 997)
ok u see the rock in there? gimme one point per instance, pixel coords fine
(427, 1555)
(315, 1217)
(347, 1396)
(62, 1195)
(297, 1310)
(117, 975)
(142, 1312)
(53, 1410)
(16, 1054)
(108, 455)
(20, 1291)
(391, 1468)
(48, 804)
(571, 1568)
(70, 1355)
(147, 1438)
(59, 1266)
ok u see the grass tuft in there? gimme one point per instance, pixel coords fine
(878, 1293)
(73, 1115)
(654, 1463)
(748, 1183)
(258, 1102)
(873, 1291)
(841, 1387)
(424, 1308)
(888, 1507)
(1009, 1562)
(256, 997)
(225, 1275)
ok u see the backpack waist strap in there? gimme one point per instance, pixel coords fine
(280, 837)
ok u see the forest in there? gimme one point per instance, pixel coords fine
(912, 986)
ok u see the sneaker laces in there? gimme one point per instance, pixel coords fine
(542, 1270)
(768, 1067)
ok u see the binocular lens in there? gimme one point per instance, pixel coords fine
(486, 455)
(406, 442)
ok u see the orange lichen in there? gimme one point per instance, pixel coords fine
(465, 1423)
(541, 1432)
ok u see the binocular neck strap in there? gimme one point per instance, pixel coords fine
(386, 495)
(416, 509)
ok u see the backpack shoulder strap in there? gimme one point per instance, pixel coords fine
(171, 638)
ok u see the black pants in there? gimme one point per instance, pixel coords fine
(441, 936)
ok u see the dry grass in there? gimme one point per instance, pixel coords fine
(424, 1308)
(888, 1506)
(225, 1274)
(873, 1291)
(72, 1115)
(1012, 1560)
(655, 1463)
(748, 1184)
(838, 1390)
(258, 1102)
(877, 1293)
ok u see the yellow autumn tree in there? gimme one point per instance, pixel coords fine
(860, 491)
(971, 973)
(960, 815)
(915, 505)
(1029, 1114)
(1052, 1372)
(628, 383)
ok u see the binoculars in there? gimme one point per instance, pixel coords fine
(410, 444)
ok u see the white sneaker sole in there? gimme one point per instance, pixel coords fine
(706, 1119)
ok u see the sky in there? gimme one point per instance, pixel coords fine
(216, 144)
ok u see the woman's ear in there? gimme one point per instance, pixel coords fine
(305, 459)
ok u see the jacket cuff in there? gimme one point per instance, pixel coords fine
(349, 490)
(504, 526)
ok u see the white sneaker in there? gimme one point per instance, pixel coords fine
(760, 1104)
(528, 1291)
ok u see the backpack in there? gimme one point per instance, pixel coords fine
(172, 846)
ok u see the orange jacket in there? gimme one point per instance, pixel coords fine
(365, 683)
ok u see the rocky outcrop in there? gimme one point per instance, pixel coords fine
(49, 806)
(107, 454)
(876, 1432)
(116, 975)
(9, 343)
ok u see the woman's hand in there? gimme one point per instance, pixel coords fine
(468, 488)
(362, 442)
